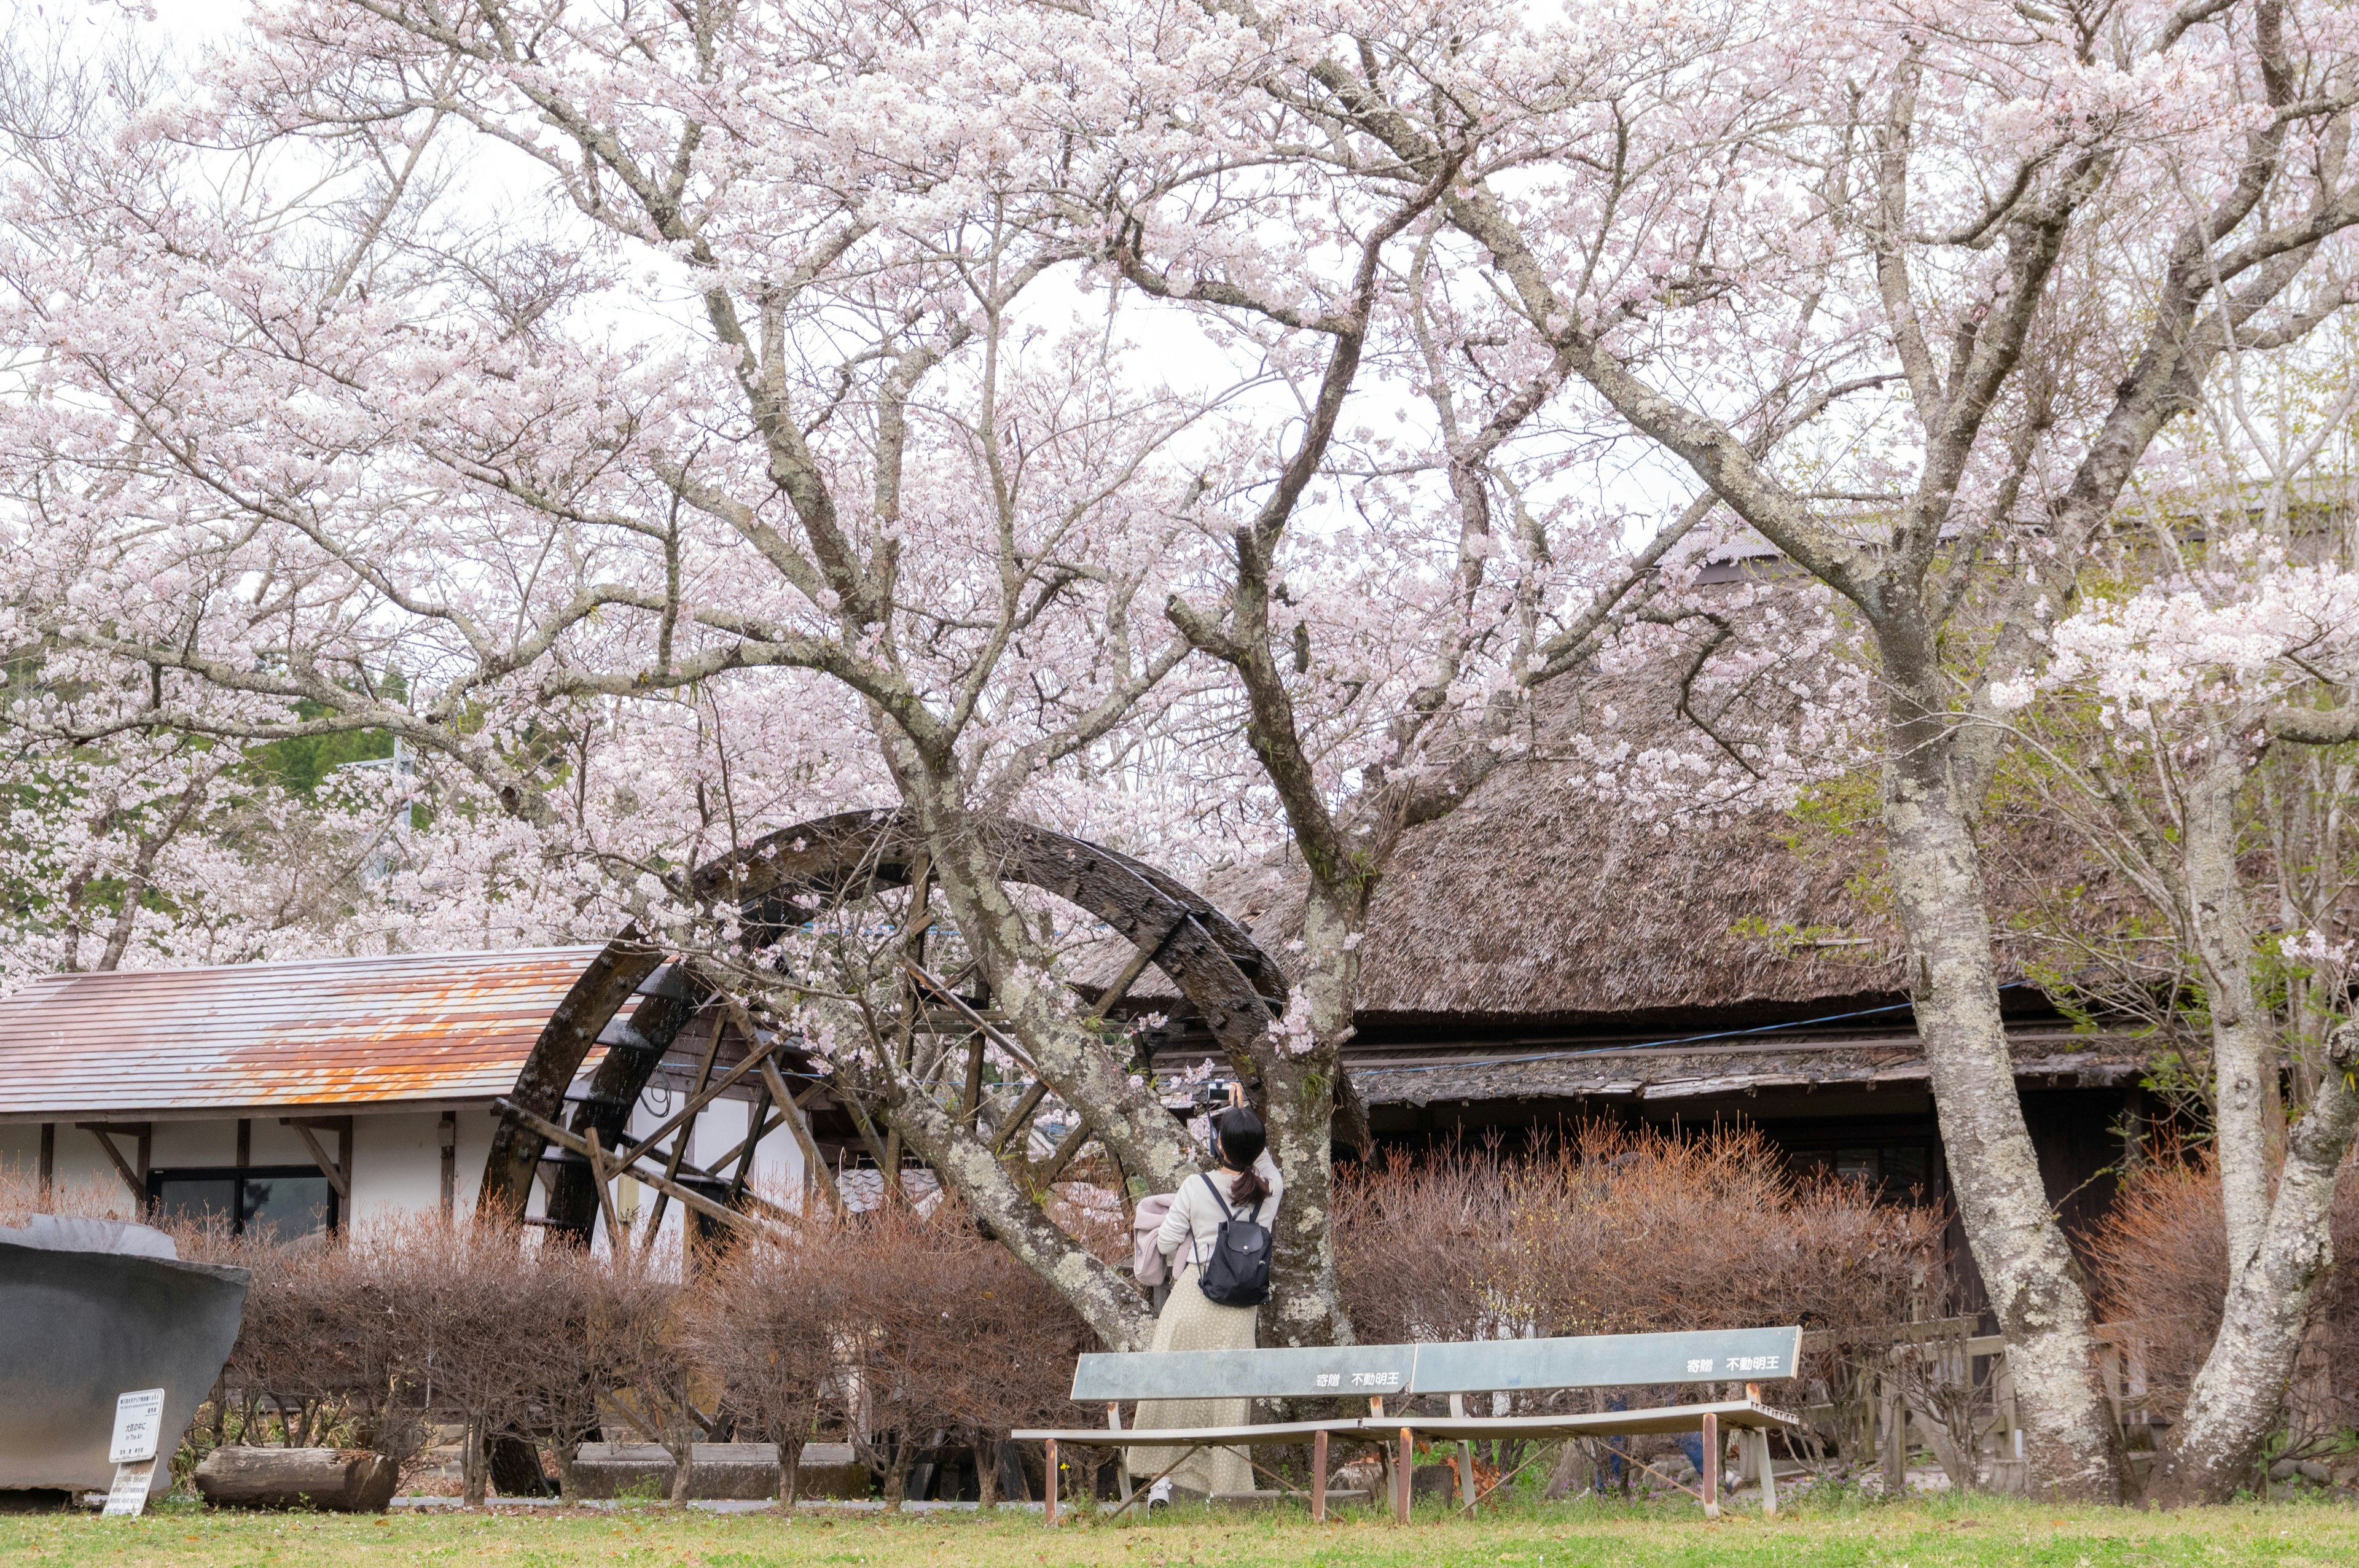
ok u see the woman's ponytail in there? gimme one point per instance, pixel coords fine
(1242, 1142)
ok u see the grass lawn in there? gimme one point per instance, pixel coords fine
(1916, 1534)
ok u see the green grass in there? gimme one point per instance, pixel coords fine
(1916, 1534)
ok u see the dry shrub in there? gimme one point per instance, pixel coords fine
(77, 1197)
(904, 1332)
(1622, 1231)
(416, 1317)
(322, 1351)
(1422, 1243)
(766, 1325)
(1636, 1231)
(2161, 1261)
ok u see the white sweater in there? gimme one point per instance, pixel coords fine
(1193, 1222)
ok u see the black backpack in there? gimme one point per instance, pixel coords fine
(1238, 1274)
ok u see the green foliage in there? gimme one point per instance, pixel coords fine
(1847, 806)
(301, 762)
(1788, 936)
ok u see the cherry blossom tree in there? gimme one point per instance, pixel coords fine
(2150, 728)
(1987, 253)
(1401, 592)
(736, 450)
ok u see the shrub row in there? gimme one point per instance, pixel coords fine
(906, 1334)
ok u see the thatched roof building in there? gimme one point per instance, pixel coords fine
(1541, 955)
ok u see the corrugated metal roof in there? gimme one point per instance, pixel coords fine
(334, 1032)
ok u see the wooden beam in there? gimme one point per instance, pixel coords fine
(1141, 955)
(1020, 1116)
(137, 1180)
(754, 1053)
(615, 1239)
(942, 988)
(339, 1176)
(679, 1141)
(971, 1094)
(685, 1196)
(804, 1142)
(746, 1160)
(1054, 1166)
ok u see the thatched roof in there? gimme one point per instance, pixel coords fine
(1536, 901)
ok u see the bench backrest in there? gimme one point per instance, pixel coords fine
(1590, 1361)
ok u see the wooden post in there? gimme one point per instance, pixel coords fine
(1408, 1471)
(1318, 1476)
(1052, 1483)
(48, 1175)
(1892, 1414)
(1711, 1466)
(616, 1239)
(449, 1131)
(1466, 1456)
(141, 1132)
(1121, 1456)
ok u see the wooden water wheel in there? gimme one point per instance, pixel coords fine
(1232, 988)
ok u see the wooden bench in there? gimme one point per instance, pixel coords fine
(1401, 1372)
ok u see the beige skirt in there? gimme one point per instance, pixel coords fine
(1189, 1322)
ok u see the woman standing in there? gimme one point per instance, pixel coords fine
(1245, 1184)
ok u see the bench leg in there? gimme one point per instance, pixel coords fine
(1405, 1473)
(1769, 1470)
(1053, 1481)
(1710, 1466)
(1318, 1476)
(1465, 1458)
(1121, 1456)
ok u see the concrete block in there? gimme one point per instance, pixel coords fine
(717, 1471)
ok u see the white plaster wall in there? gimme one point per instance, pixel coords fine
(396, 1158)
(81, 1169)
(720, 1126)
(397, 1163)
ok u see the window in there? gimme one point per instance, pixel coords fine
(1896, 1172)
(287, 1201)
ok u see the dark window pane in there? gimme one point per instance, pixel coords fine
(286, 1208)
(1809, 1162)
(197, 1199)
(1857, 1165)
(1905, 1168)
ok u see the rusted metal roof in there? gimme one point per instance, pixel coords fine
(333, 1032)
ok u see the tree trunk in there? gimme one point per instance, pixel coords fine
(986, 1472)
(2238, 1394)
(337, 1480)
(1306, 1302)
(2034, 1283)
(474, 1466)
(1108, 1301)
(2243, 1046)
(568, 1489)
(790, 1471)
(1299, 1114)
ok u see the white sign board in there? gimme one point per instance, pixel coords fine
(138, 1426)
(129, 1494)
